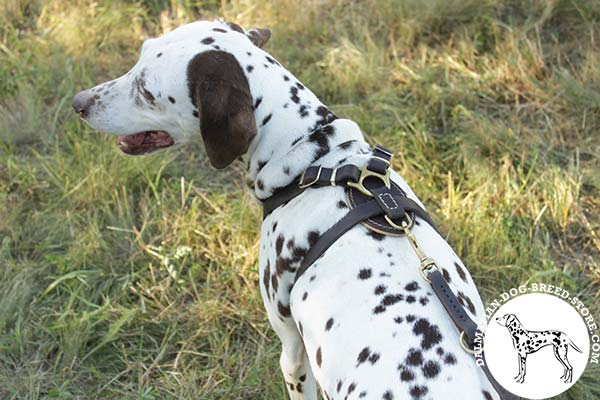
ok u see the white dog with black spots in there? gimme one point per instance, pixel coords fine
(361, 323)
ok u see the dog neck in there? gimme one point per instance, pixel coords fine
(295, 130)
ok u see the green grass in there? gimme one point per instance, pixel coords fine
(127, 278)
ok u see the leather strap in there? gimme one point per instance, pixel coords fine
(366, 210)
(463, 323)
(358, 214)
(314, 176)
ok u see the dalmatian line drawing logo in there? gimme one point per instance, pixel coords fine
(527, 342)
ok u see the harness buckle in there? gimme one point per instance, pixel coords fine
(365, 173)
(305, 185)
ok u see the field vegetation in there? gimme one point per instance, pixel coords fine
(136, 278)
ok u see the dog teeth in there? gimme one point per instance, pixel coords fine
(123, 144)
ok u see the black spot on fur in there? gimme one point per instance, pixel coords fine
(465, 300)
(461, 272)
(284, 311)
(257, 102)
(299, 86)
(379, 309)
(274, 226)
(376, 235)
(271, 60)
(341, 204)
(158, 55)
(195, 113)
(302, 111)
(351, 388)
(450, 359)
(304, 296)
(286, 78)
(294, 94)
(412, 286)
(266, 276)
(172, 100)
(260, 185)
(261, 165)
(380, 289)
(446, 275)
(329, 324)
(391, 299)
(374, 358)
(339, 386)
(313, 236)
(487, 395)
(365, 273)
(279, 244)
(417, 392)
(431, 369)
(406, 375)
(410, 318)
(362, 356)
(249, 68)
(319, 357)
(286, 170)
(219, 30)
(388, 395)
(415, 357)
(207, 40)
(326, 116)
(398, 320)
(423, 301)
(266, 119)
(410, 299)
(431, 333)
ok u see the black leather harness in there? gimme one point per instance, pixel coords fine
(381, 206)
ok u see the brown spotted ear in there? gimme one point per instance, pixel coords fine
(259, 36)
(219, 89)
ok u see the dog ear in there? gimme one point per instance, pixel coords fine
(219, 89)
(259, 36)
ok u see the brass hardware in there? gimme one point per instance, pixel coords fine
(426, 264)
(365, 173)
(332, 179)
(301, 186)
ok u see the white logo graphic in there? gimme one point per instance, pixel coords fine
(536, 345)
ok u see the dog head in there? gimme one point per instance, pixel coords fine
(186, 84)
(508, 320)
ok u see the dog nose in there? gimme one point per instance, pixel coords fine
(82, 102)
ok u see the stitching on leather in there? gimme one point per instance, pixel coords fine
(372, 221)
(381, 195)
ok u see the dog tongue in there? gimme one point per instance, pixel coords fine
(144, 142)
(132, 140)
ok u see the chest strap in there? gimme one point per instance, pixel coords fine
(400, 212)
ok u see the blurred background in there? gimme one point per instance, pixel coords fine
(136, 278)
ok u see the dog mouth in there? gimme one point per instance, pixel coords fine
(144, 142)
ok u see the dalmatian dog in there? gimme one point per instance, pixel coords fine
(361, 323)
(527, 342)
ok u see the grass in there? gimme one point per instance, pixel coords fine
(130, 278)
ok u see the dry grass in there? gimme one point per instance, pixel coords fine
(130, 278)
